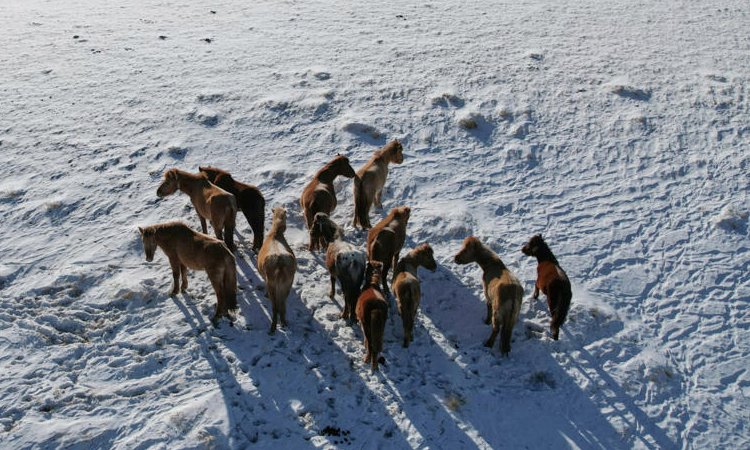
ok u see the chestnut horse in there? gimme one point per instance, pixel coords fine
(187, 249)
(277, 265)
(502, 290)
(319, 195)
(249, 200)
(370, 179)
(343, 260)
(372, 310)
(406, 286)
(552, 280)
(384, 240)
(210, 201)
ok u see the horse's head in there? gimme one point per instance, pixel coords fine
(340, 165)
(469, 251)
(148, 237)
(279, 218)
(170, 184)
(426, 258)
(396, 152)
(373, 273)
(322, 226)
(210, 172)
(535, 244)
(401, 213)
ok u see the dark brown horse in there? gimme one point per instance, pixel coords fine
(344, 261)
(249, 200)
(187, 249)
(372, 310)
(384, 240)
(370, 180)
(502, 290)
(551, 280)
(210, 201)
(319, 195)
(407, 288)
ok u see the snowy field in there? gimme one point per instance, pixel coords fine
(618, 129)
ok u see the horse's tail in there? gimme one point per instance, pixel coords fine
(360, 204)
(281, 287)
(561, 295)
(256, 217)
(378, 315)
(230, 284)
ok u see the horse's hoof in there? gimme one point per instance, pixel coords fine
(173, 293)
(488, 344)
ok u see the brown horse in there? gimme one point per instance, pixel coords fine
(249, 200)
(343, 260)
(277, 264)
(384, 240)
(552, 280)
(372, 310)
(406, 286)
(502, 290)
(210, 201)
(319, 195)
(370, 179)
(187, 249)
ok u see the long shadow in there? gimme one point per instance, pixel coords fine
(506, 393)
(292, 383)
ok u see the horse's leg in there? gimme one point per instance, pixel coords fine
(203, 224)
(505, 339)
(377, 200)
(386, 268)
(367, 350)
(229, 236)
(332, 292)
(395, 261)
(216, 281)
(175, 263)
(183, 272)
(217, 229)
(495, 329)
(536, 291)
(274, 313)
(256, 223)
(489, 309)
(282, 311)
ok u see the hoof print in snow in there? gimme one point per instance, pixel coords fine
(627, 91)
(207, 40)
(540, 380)
(732, 220)
(322, 76)
(536, 56)
(162, 37)
(447, 99)
(177, 151)
(204, 117)
(363, 129)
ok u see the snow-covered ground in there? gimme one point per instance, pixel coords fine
(620, 130)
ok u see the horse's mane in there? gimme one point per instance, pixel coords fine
(544, 253)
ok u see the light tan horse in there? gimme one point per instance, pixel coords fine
(319, 195)
(502, 290)
(370, 179)
(210, 201)
(187, 249)
(372, 311)
(277, 265)
(407, 288)
(384, 241)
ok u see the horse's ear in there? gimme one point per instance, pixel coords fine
(140, 229)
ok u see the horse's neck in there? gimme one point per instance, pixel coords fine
(408, 263)
(189, 183)
(487, 260)
(545, 254)
(326, 175)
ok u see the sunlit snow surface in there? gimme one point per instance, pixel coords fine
(620, 130)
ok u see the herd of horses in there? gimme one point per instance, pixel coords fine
(362, 274)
